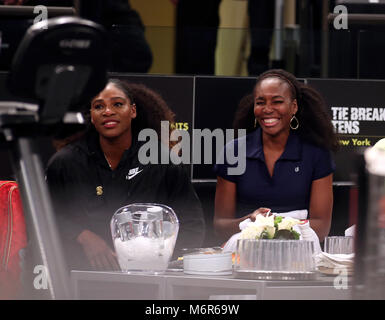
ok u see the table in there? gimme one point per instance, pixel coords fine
(180, 286)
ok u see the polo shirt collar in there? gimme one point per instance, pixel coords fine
(293, 147)
(254, 146)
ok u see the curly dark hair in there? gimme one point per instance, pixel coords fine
(313, 117)
(151, 109)
(244, 115)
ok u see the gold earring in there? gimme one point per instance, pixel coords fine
(294, 118)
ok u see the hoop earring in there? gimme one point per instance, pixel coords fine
(255, 123)
(294, 118)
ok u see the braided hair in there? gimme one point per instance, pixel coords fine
(313, 117)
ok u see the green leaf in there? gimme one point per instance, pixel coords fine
(264, 235)
(284, 235)
(277, 220)
(296, 234)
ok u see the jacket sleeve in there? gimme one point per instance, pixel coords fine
(185, 202)
(68, 219)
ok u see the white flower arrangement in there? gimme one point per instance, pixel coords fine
(271, 227)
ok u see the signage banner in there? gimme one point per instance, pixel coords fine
(357, 108)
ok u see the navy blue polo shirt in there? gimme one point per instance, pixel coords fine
(289, 188)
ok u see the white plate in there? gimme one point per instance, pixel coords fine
(335, 271)
(212, 264)
(210, 273)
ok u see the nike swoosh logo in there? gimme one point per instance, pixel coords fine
(130, 176)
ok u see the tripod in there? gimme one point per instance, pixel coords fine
(54, 64)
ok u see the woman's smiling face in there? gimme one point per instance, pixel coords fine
(274, 106)
(112, 112)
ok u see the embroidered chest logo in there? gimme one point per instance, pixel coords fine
(132, 173)
(296, 169)
(99, 190)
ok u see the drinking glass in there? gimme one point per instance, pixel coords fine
(339, 245)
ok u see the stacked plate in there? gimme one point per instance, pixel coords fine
(333, 264)
(208, 262)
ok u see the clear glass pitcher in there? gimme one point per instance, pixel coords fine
(144, 236)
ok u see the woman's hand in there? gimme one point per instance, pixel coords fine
(225, 222)
(98, 253)
(321, 206)
(262, 211)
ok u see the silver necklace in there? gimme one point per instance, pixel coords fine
(109, 164)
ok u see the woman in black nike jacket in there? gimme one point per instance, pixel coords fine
(90, 179)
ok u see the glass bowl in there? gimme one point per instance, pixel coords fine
(275, 259)
(144, 236)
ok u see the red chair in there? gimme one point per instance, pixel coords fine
(13, 238)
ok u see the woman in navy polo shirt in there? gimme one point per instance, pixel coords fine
(288, 160)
